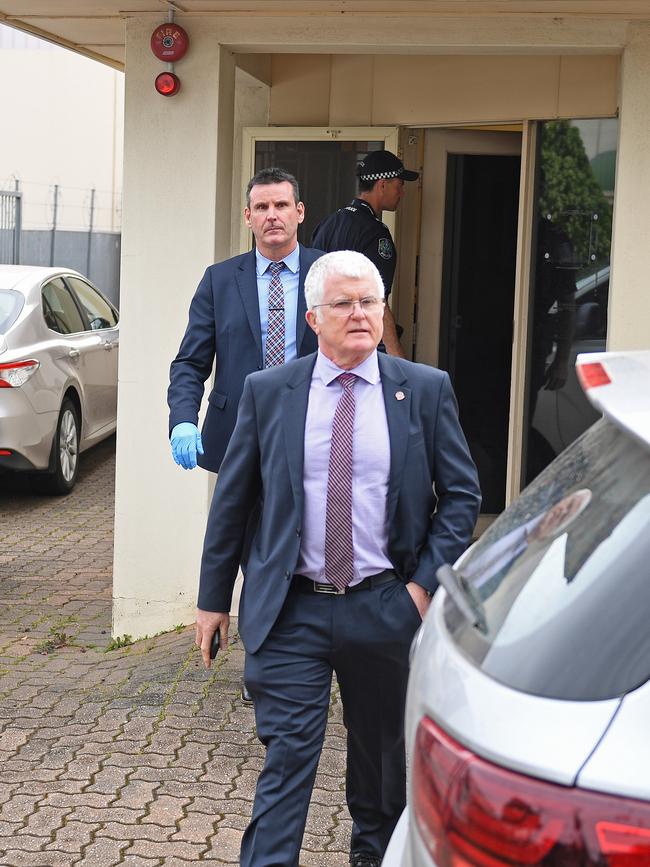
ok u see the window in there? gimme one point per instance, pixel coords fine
(59, 309)
(11, 303)
(99, 312)
(570, 281)
(560, 580)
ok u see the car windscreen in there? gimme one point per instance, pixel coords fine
(560, 583)
(11, 303)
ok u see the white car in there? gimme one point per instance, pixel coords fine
(528, 709)
(59, 341)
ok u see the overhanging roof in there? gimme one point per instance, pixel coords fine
(96, 28)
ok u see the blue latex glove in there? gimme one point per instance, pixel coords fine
(186, 442)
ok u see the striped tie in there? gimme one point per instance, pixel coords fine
(275, 334)
(339, 554)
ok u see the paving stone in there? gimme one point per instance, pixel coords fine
(137, 861)
(73, 836)
(225, 845)
(165, 810)
(136, 793)
(21, 858)
(19, 807)
(103, 853)
(195, 827)
(44, 821)
(26, 842)
(11, 739)
(148, 849)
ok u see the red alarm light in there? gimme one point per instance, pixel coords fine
(167, 84)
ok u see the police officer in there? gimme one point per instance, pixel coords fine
(358, 226)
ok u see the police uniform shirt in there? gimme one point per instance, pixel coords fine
(355, 227)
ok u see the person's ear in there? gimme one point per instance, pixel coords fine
(247, 217)
(301, 211)
(312, 320)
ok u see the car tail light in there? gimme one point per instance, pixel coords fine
(16, 373)
(592, 375)
(471, 813)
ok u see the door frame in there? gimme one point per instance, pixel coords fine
(438, 144)
(253, 134)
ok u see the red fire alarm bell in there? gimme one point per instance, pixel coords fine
(169, 42)
(167, 84)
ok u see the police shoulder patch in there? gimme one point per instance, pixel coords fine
(385, 248)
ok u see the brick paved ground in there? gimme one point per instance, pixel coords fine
(129, 756)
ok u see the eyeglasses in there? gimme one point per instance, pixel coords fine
(345, 307)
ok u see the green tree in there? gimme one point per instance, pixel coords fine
(571, 197)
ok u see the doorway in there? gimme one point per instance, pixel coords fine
(467, 286)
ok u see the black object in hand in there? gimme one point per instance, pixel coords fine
(214, 647)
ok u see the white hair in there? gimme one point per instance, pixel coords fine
(340, 263)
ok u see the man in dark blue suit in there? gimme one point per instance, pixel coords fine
(239, 308)
(366, 487)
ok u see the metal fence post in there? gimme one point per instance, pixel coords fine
(18, 223)
(56, 206)
(90, 230)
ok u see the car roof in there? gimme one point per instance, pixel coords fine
(618, 384)
(23, 277)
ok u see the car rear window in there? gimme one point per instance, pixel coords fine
(11, 303)
(560, 583)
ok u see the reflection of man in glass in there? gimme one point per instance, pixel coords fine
(532, 537)
(554, 314)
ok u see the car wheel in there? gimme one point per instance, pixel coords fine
(65, 457)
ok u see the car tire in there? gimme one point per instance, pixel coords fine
(61, 478)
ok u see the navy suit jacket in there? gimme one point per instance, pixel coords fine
(224, 324)
(265, 460)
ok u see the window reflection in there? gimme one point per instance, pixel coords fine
(570, 281)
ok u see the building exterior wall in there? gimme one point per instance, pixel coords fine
(178, 183)
(629, 305)
(388, 89)
(182, 175)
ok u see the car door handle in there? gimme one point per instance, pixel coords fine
(74, 353)
(108, 345)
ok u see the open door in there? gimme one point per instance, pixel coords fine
(468, 251)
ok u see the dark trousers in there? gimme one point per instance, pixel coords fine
(364, 637)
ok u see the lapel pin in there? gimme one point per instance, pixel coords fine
(399, 395)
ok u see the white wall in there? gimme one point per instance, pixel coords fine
(629, 297)
(176, 221)
(66, 127)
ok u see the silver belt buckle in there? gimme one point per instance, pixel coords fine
(320, 587)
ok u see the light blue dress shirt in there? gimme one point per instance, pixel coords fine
(289, 277)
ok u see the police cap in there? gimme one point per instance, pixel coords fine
(378, 165)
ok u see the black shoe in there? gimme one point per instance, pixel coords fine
(246, 697)
(364, 859)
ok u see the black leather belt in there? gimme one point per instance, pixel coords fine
(305, 585)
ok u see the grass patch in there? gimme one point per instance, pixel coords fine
(118, 642)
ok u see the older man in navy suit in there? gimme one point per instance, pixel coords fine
(248, 313)
(367, 487)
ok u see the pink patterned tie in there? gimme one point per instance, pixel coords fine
(275, 334)
(339, 554)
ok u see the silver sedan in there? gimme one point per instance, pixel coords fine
(59, 341)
